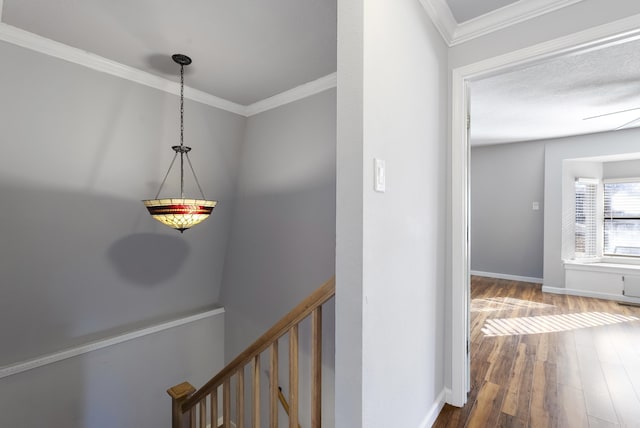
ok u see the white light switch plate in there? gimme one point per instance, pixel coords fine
(379, 175)
(535, 206)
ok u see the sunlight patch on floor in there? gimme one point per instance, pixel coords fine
(504, 303)
(551, 323)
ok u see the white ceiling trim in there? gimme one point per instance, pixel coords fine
(55, 49)
(454, 33)
(440, 14)
(28, 40)
(299, 92)
(1, 8)
(506, 16)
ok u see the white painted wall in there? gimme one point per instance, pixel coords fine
(391, 246)
(621, 169)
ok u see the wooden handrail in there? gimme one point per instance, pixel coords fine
(325, 292)
(178, 394)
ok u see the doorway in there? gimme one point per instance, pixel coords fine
(613, 33)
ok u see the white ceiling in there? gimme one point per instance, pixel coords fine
(248, 50)
(464, 10)
(552, 98)
(242, 50)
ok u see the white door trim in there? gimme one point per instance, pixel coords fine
(614, 32)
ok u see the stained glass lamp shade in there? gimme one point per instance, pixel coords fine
(180, 213)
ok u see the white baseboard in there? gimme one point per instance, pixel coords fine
(506, 276)
(435, 409)
(103, 343)
(593, 294)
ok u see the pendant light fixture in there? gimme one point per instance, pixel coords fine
(180, 213)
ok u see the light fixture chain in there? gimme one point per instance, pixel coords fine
(195, 177)
(182, 130)
(166, 175)
(180, 214)
(181, 105)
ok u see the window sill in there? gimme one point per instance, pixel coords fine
(602, 265)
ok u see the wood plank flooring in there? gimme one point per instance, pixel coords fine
(547, 360)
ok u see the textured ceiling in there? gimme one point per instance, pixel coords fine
(242, 50)
(464, 10)
(552, 98)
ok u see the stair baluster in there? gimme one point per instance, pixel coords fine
(189, 407)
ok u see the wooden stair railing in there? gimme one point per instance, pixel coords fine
(283, 401)
(191, 408)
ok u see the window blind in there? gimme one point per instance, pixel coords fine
(586, 214)
(622, 218)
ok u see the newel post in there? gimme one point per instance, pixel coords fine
(179, 394)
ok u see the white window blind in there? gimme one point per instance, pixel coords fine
(586, 214)
(622, 218)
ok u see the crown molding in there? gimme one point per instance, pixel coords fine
(25, 39)
(440, 14)
(506, 16)
(59, 50)
(454, 33)
(299, 92)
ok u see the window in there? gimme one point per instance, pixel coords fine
(621, 217)
(585, 223)
(607, 219)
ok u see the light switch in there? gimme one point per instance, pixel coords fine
(379, 184)
(535, 206)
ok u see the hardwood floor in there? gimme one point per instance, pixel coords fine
(547, 360)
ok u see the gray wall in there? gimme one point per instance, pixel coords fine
(80, 257)
(556, 153)
(506, 233)
(282, 243)
(507, 178)
(120, 386)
